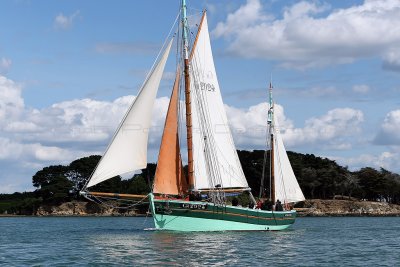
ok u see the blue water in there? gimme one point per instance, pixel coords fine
(116, 241)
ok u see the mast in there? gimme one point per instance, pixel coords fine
(271, 133)
(187, 97)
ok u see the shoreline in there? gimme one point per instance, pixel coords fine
(299, 215)
(347, 208)
(308, 208)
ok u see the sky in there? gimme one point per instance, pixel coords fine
(70, 69)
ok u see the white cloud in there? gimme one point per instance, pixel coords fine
(332, 130)
(64, 22)
(392, 60)
(387, 160)
(11, 102)
(306, 37)
(31, 139)
(11, 150)
(390, 129)
(329, 130)
(20, 161)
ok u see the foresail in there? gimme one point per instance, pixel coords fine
(215, 158)
(287, 189)
(169, 177)
(127, 151)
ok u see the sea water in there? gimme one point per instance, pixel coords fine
(129, 241)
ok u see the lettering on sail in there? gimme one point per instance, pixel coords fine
(207, 87)
(203, 85)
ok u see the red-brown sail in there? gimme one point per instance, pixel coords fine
(169, 177)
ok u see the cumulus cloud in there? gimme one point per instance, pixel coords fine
(332, 130)
(389, 130)
(12, 150)
(33, 138)
(79, 123)
(392, 60)
(64, 22)
(312, 34)
(11, 102)
(387, 160)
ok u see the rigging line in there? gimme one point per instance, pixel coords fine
(104, 203)
(231, 171)
(181, 102)
(205, 122)
(208, 141)
(262, 187)
(147, 215)
(99, 199)
(231, 168)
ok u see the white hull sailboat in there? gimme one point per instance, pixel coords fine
(196, 201)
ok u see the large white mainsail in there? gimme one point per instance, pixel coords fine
(210, 124)
(287, 189)
(127, 151)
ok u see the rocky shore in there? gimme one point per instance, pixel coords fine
(312, 207)
(81, 208)
(324, 207)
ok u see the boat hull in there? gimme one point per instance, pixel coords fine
(179, 215)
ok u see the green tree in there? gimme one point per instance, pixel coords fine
(52, 183)
(371, 183)
(137, 185)
(79, 171)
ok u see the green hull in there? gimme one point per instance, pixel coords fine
(178, 215)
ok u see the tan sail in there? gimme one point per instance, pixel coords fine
(169, 178)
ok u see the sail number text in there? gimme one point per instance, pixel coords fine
(194, 206)
(207, 87)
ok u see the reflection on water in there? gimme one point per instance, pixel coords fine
(122, 241)
(199, 248)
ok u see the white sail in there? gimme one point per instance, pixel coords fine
(287, 188)
(127, 151)
(214, 153)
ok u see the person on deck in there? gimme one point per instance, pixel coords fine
(235, 201)
(259, 204)
(278, 206)
(267, 204)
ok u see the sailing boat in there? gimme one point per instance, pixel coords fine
(196, 201)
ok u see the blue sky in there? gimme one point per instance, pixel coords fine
(69, 69)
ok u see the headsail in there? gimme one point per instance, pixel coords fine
(214, 153)
(169, 177)
(287, 188)
(127, 151)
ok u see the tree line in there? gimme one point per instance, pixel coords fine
(318, 178)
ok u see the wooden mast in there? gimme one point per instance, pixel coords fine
(187, 97)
